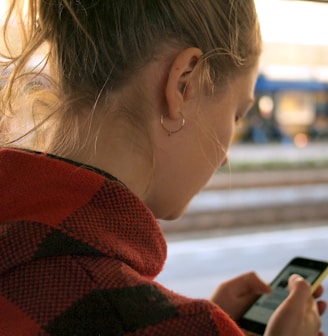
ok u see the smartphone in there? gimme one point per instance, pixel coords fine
(256, 317)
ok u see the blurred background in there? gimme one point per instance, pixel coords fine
(270, 203)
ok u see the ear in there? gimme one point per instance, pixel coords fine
(179, 79)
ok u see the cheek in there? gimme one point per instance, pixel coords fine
(224, 136)
(216, 146)
(227, 134)
(216, 135)
(224, 131)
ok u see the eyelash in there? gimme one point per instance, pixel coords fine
(238, 119)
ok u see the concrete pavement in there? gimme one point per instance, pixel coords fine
(275, 153)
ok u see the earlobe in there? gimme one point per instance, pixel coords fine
(179, 80)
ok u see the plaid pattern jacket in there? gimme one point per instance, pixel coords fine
(78, 256)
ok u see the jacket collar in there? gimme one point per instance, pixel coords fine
(51, 207)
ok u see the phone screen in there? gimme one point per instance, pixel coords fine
(256, 318)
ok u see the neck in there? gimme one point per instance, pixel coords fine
(115, 150)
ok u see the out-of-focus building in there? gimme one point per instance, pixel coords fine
(292, 88)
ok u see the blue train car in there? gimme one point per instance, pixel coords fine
(287, 111)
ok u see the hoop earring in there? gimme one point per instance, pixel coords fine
(169, 132)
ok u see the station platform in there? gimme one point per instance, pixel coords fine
(278, 153)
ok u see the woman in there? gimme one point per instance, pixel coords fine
(131, 112)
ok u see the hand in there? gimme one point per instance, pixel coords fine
(236, 295)
(299, 314)
(322, 305)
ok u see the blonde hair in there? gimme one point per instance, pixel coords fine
(95, 47)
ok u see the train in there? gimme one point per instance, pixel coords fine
(286, 111)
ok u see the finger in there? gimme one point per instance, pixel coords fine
(318, 292)
(299, 288)
(322, 306)
(256, 285)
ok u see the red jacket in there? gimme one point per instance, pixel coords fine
(78, 256)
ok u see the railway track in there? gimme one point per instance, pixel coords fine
(255, 199)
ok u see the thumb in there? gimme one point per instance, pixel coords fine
(299, 288)
(255, 285)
